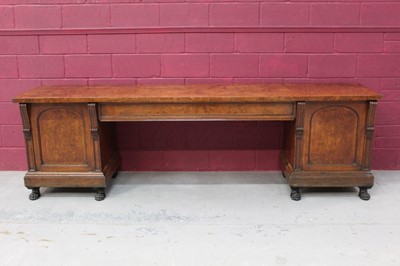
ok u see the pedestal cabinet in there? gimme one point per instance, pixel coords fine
(329, 145)
(68, 147)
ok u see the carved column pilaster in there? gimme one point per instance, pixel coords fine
(369, 135)
(26, 125)
(298, 154)
(94, 130)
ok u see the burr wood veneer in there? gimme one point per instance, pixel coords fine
(70, 140)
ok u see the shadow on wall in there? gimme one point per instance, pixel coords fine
(199, 146)
(237, 135)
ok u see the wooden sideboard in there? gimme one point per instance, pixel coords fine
(328, 132)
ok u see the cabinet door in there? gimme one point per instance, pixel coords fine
(334, 136)
(62, 138)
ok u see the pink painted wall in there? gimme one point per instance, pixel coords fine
(370, 55)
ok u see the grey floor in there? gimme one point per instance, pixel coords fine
(206, 218)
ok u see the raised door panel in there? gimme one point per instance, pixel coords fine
(334, 136)
(62, 138)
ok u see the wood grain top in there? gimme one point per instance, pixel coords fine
(198, 93)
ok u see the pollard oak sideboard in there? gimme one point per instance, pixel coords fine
(328, 131)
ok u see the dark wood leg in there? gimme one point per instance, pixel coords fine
(363, 194)
(35, 194)
(295, 194)
(115, 174)
(100, 194)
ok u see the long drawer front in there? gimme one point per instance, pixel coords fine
(195, 111)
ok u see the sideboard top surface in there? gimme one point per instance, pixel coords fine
(198, 93)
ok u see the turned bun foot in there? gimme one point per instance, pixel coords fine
(100, 194)
(363, 194)
(295, 194)
(35, 194)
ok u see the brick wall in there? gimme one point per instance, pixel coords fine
(199, 41)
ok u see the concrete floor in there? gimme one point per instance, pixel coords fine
(200, 218)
